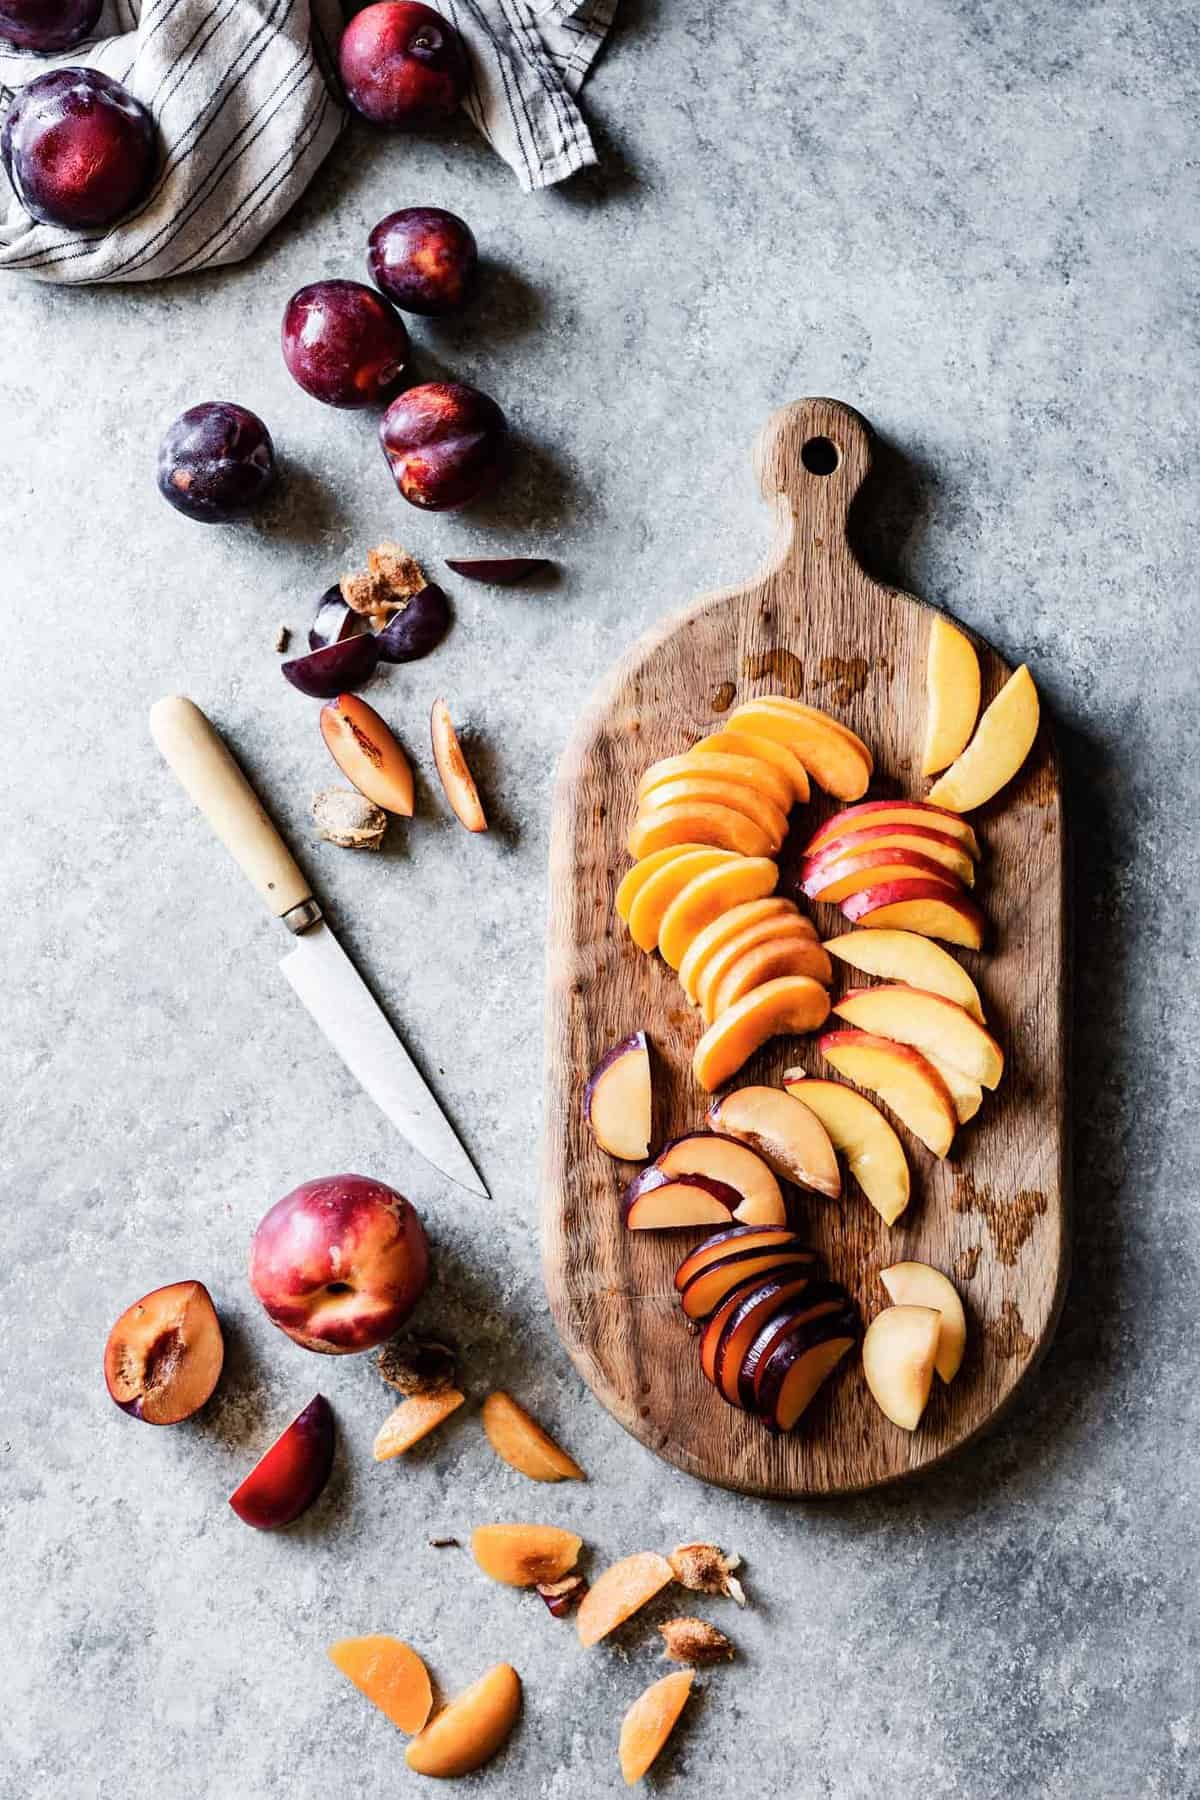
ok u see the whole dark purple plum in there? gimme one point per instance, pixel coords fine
(344, 344)
(424, 259)
(216, 462)
(445, 444)
(403, 65)
(78, 148)
(47, 24)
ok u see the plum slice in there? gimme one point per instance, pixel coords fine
(334, 620)
(710, 1289)
(339, 668)
(735, 1325)
(657, 1202)
(164, 1354)
(734, 1237)
(457, 781)
(618, 1099)
(498, 571)
(722, 1158)
(367, 754)
(801, 1360)
(289, 1476)
(823, 1301)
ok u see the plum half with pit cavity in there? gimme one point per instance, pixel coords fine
(164, 1354)
(289, 1477)
(334, 621)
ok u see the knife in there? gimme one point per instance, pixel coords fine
(318, 968)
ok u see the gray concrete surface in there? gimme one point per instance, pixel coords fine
(979, 224)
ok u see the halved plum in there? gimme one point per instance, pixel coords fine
(366, 752)
(725, 1243)
(164, 1354)
(618, 1101)
(334, 621)
(785, 1134)
(337, 669)
(710, 1289)
(417, 627)
(723, 1158)
(734, 1327)
(822, 1300)
(288, 1477)
(803, 1358)
(657, 1202)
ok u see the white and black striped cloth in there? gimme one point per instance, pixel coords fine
(246, 97)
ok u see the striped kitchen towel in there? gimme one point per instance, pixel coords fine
(247, 102)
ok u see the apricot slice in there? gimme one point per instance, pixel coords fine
(792, 1003)
(412, 1420)
(787, 955)
(390, 1674)
(904, 956)
(634, 879)
(763, 750)
(524, 1555)
(472, 1728)
(366, 752)
(747, 771)
(835, 759)
(650, 1721)
(700, 787)
(774, 909)
(951, 695)
(655, 895)
(623, 1588)
(458, 784)
(707, 896)
(788, 928)
(696, 823)
(520, 1441)
(1001, 743)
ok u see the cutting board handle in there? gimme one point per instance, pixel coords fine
(204, 767)
(812, 457)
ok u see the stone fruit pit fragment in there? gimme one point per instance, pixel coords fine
(695, 1642)
(347, 818)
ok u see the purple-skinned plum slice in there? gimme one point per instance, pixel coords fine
(618, 1100)
(338, 669)
(730, 1239)
(417, 627)
(800, 1360)
(823, 1300)
(710, 1289)
(717, 1154)
(164, 1354)
(367, 753)
(657, 1202)
(499, 571)
(738, 1320)
(289, 1477)
(334, 621)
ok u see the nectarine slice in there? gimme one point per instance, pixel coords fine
(836, 879)
(761, 749)
(788, 1136)
(1003, 740)
(821, 717)
(412, 1420)
(390, 1674)
(926, 1021)
(472, 1728)
(841, 766)
(694, 823)
(366, 752)
(520, 1441)
(746, 771)
(633, 879)
(725, 1160)
(655, 895)
(164, 1355)
(903, 956)
(619, 1592)
(916, 1284)
(951, 695)
(458, 784)
(290, 1476)
(700, 788)
(524, 1555)
(903, 1078)
(870, 813)
(918, 904)
(789, 954)
(966, 1094)
(898, 1355)
(793, 1003)
(707, 896)
(938, 846)
(650, 1721)
(773, 910)
(864, 1137)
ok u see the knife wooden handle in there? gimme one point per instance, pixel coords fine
(204, 767)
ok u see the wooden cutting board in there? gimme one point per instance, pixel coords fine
(812, 625)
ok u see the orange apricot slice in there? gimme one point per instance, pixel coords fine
(703, 788)
(390, 1674)
(524, 1555)
(619, 1592)
(520, 1441)
(744, 743)
(765, 931)
(775, 908)
(836, 760)
(472, 1728)
(707, 896)
(783, 955)
(650, 1721)
(691, 821)
(791, 1003)
(634, 879)
(412, 1420)
(746, 771)
(655, 895)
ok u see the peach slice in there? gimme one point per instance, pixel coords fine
(917, 904)
(773, 911)
(870, 813)
(456, 779)
(618, 1099)
(916, 1284)
(903, 956)
(761, 749)
(390, 1674)
(701, 788)
(619, 1592)
(788, 1136)
(520, 1441)
(412, 1420)
(791, 954)
(835, 879)
(903, 1078)
(723, 1159)
(696, 823)
(926, 1021)
(707, 896)
(966, 1094)
(744, 771)
(836, 762)
(366, 752)
(650, 1721)
(938, 846)
(1003, 740)
(164, 1355)
(524, 1555)
(898, 1357)
(655, 895)
(633, 880)
(792, 1003)
(951, 695)
(472, 1728)
(864, 1137)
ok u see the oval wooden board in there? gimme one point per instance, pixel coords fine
(815, 626)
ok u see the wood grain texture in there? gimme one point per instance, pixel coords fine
(813, 625)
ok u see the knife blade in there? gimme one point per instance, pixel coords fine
(318, 969)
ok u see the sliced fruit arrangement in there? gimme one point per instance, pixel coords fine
(904, 956)
(704, 1178)
(905, 870)
(902, 1077)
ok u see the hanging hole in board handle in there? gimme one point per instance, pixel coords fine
(820, 455)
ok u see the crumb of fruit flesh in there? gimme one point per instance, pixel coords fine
(695, 1642)
(562, 1596)
(520, 1441)
(622, 1590)
(705, 1569)
(472, 1728)
(283, 638)
(416, 1365)
(348, 819)
(412, 1420)
(525, 1555)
